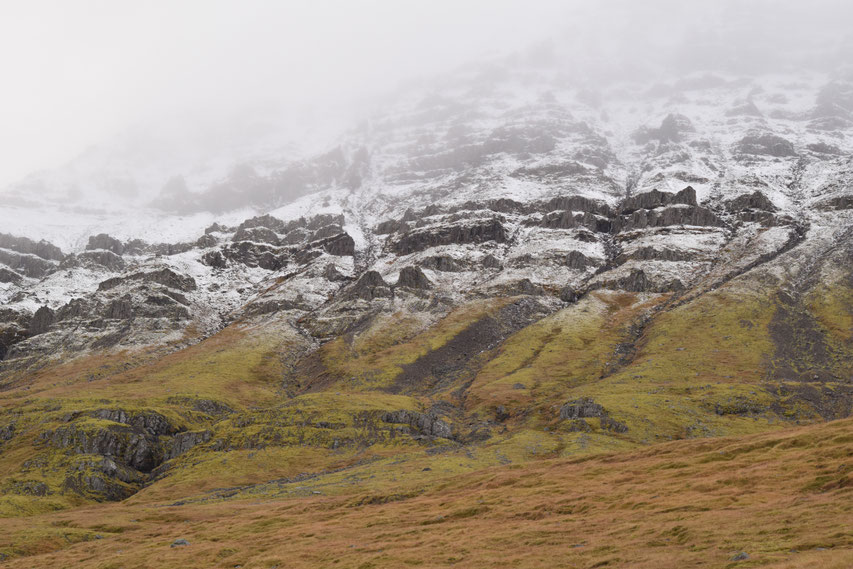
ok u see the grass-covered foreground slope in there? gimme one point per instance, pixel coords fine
(507, 432)
(784, 498)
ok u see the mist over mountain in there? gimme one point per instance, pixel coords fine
(378, 284)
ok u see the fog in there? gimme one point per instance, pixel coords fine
(77, 73)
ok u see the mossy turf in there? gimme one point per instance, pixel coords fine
(658, 371)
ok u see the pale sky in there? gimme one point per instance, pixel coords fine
(74, 72)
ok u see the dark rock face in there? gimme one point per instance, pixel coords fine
(326, 232)
(755, 200)
(673, 215)
(102, 258)
(834, 107)
(839, 202)
(656, 198)
(428, 424)
(524, 287)
(331, 273)
(7, 432)
(164, 276)
(257, 235)
(120, 309)
(266, 221)
(577, 260)
(419, 240)
(765, 145)
(322, 220)
(672, 129)
(569, 220)
(501, 414)
(568, 294)
(151, 422)
(183, 442)
(41, 249)
(585, 408)
(9, 276)
(744, 109)
(824, 148)
(27, 264)
(170, 248)
(270, 307)
(581, 408)
(413, 277)
(215, 228)
(256, 255)
(637, 281)
(112, 461)
(576, 203)
(105, 242)
(491, 262)
(41, 321)
(214, 259)
(211, 407)
(371, 285)
(206, 241)
(120, 442)
(340, 245)
(74, 308)
(391, 226)
(104, 478)
(652, 254)
(442, 263)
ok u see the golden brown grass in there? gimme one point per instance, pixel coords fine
(785, 498)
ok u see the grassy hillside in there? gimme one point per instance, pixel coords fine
(497, 433)
(784, 498)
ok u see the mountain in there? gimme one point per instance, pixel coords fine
(501, 279)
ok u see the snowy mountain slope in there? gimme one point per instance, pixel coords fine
(497, 180)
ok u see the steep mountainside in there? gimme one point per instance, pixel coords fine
(504, 269)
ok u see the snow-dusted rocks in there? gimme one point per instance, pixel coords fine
(516, 184)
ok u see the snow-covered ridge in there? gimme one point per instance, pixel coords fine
(491, 184)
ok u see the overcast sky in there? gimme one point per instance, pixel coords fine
(75, 72)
